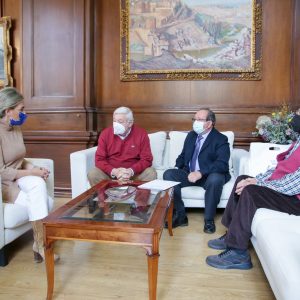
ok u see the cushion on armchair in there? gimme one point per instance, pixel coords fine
(263, 156)
(176, 145)
(157, 144)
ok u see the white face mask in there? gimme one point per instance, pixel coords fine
(198, 127)
(119, 129)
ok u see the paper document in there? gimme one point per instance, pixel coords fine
(158, 184)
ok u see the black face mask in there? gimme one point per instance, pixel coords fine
(295, 123)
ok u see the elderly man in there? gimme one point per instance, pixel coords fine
(123, 151)
(202, 162)
(277, 189)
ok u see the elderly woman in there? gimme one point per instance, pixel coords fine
(22, 182)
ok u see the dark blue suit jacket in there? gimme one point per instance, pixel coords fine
(213, 157)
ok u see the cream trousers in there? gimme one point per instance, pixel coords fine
(34, 197)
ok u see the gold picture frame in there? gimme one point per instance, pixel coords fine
(5, 52)
(157, 43)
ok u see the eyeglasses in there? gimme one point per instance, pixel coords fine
(201, 120)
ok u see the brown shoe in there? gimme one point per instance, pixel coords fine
(39, 255)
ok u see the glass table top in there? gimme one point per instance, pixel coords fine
(116, 203)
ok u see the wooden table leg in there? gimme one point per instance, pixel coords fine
(170, 217)
(152, 274)
(49, 261)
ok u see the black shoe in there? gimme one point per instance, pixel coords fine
(209, 226)
(219, 243)
(231, 259)
(176, 222)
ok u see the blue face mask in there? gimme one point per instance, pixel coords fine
(22, 118)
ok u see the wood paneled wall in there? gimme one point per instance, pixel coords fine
(67, 64)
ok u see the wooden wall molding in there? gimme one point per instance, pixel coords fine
(190, 110)
(59, 137)
(63, 110)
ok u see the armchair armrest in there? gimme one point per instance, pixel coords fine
(240, 159)
(244, 165)
(81, 163)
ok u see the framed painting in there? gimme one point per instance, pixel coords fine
(5, 52)
(191, 39)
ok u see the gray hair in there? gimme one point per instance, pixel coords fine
(9, 98)
(126, 111)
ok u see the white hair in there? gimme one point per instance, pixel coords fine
(126, 111)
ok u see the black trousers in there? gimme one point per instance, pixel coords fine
(240, 210)
(213, 185)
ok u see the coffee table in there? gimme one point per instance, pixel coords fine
(112, 212)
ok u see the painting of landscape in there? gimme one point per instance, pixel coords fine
(205, 35)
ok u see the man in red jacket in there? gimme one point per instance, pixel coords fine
(123, 151)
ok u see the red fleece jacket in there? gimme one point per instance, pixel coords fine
(133, 152)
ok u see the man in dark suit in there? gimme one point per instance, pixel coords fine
(202, 162)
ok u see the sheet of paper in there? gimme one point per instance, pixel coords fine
(158, 185)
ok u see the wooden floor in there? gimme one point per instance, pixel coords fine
(93, 271)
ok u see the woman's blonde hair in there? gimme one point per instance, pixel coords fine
(9, 98)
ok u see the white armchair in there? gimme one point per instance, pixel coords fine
(14, 219)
